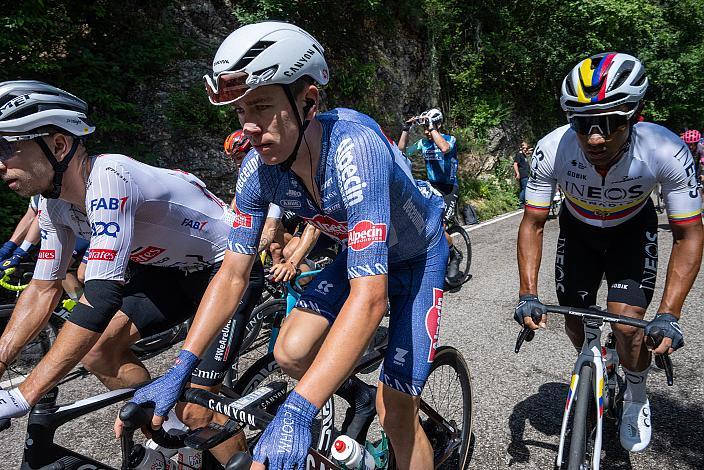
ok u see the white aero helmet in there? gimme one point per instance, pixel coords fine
(604, 81)
(434, 115)
(26, 105)
(266, 53)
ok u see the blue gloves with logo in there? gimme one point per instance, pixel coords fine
(6, 250)
(15, 259)
(666, 325)
(529, 306)
(165, 391)
(285, 442)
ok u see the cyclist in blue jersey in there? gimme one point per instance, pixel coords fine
(440, 154)
(340, 173)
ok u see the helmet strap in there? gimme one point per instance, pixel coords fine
(58, 166)
(302, 126)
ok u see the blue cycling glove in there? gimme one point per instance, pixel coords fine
(529, 306)
(6, 250)
(666, 324)
(13, 260)
(165, 391)
(285, 442)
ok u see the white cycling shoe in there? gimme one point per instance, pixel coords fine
(635, 429)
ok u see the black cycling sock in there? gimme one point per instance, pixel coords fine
(360, 414)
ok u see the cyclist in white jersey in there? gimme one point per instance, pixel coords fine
(607, 164)
(165, 223)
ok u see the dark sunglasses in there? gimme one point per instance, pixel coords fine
(604, 124)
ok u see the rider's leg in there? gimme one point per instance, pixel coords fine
(299, 340)
(112, 360)
(398, 414)
(630, 343)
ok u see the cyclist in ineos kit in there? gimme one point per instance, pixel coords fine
(339, 172)
(607, 164)
(172, 229)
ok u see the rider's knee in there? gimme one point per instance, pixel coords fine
(626, 333)
(397, 416)
(292, 355)
(101, 359)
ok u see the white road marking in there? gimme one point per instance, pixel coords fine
(469, 228)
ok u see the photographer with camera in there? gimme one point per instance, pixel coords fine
(440, 154)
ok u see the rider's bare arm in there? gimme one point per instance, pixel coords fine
(23, 226)
(220, 301)
(348, 337)
(268, 233)
(308, 238)
(440, 141)
(31, 314)
(530, 252)
(682, 269)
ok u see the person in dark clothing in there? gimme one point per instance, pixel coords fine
(521, 169)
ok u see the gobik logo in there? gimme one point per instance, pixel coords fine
(329, 225)
(432, 322)
(365, 233)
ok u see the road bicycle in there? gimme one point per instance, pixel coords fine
(448, 433)
(593, 382)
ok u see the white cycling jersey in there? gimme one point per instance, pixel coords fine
(655, 155)
(136, 212)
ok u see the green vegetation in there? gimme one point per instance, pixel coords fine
(491, 60)
(493, 193)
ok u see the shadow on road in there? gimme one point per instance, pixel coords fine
(544, 413)
(677, 430)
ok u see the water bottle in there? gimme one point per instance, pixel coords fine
(150, 459)
(352, 454)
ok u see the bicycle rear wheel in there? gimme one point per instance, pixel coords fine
(462, 243)
(581, 434)
(448, 395)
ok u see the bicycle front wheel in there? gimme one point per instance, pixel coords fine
(581, 427)
(462, 243)
(447, 399)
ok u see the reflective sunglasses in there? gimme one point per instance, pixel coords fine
(8, 144)
(604, 124)
(228, 87)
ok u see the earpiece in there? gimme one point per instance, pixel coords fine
(309, 104)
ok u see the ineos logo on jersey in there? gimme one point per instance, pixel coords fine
(97, 254)
(110, 229)
(329, 225)
(365, 233)
(112, 203)
(47, 254)
(351, 183)
(432, 322)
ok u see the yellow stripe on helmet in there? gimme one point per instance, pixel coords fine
(586, 72)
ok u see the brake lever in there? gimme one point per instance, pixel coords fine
(664, 362)
(526, 334)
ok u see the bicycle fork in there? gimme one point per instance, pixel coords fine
(590, 354)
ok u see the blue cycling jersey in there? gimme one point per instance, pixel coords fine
(441, 167)
(369, 198)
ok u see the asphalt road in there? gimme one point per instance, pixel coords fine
(518, 399)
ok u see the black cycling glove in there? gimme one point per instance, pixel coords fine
(529, 305)
(666, 324)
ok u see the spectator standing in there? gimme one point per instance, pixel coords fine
(521, 170)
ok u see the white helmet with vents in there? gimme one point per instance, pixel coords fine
(26, 105)
(266, 53)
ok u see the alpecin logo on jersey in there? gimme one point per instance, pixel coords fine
(143, 255)
(329, 225)
(350, 181)
(47, 254)
(365, 233)
(98, 254)
(432, 322)
(241, 219)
